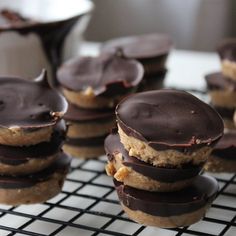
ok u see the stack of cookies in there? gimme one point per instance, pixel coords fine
(150, 50)
(32, 165)
(93, 86)
(222, 91)
(164, 138)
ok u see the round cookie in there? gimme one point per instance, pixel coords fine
(85, 147)
(168, 127)
(88, 123)
(222, 90)
(99, 82)
(141, 175)
(28, 110)
(227, 53)
(30, 159)
(37, 187)
(151, 50)
(168, 210)
(223, 156)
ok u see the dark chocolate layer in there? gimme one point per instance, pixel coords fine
(225, 112)
(201, 193)
(140, 47)
(29, 104)
(19, 155)
(106, 74)
(169, 119)
(227, 50)
(226, 147)
(86, 142)
(80, 115)
(60, 166)
(167, 175)
(217, 81)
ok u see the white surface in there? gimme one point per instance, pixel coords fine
(184, 67)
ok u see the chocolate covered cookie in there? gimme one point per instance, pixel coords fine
(85, 147)
(222, 90)
(141, 175)
(223, 156)
(168, 128)
(28, 110)
(30, 159)
(227, 52)
(37, 187)
(99, 82)
(151, 50)
(168, 210)
(88, 123)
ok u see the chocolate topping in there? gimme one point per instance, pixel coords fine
(140, 47)
(201, 193)
(29, 104)
(51, 26)
(168, 175)
(106, 74)
(78, 115)
(169, 119)
(225, 112)
(227, 50)
(86, 142)
(217, 81)
(226, 147)
(18, 155)
(61, 166)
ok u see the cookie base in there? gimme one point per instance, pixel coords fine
(83, 152)
(136, 180)
(166, 222)
(229, 69)
(38, 193)
(144, 152)
(217, 164)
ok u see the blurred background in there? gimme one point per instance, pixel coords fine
(193, 24)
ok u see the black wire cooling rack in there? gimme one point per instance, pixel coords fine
(88, 205)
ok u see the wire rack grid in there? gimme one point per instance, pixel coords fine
(88, 205)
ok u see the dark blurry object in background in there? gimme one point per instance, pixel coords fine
(40, 34)
(193, 25)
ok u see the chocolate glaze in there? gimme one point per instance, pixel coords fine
(168, 175)
(140, 47)
(226, 147)
(201, 193)
(19, 155)
(52, 33)
(169, 119)
(107, 74)
(227, 50)
(86, 142)
(80, 115)
(61, 166)
(29, 104)
(225, 112)
(217, 81)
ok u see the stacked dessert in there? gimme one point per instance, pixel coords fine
(32, 165)
(93, 86)
(164, 138)
(150, 50)
(222, 91)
